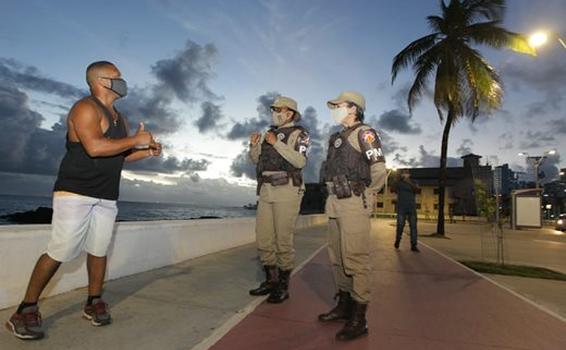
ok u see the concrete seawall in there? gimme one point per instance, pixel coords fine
(137, 247)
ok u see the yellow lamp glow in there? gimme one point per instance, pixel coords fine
(538, 39)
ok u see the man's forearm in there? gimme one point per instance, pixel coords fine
(109, 147)
(138, 155)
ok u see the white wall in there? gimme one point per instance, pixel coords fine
(137, 247)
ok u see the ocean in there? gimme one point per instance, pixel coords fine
(129, 211)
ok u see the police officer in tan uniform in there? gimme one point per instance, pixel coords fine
(355, 165)
(280, 155)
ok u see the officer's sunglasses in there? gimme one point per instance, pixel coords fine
(278, 109)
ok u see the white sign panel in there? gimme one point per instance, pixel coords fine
(528, 211)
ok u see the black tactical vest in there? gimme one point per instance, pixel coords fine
(344, 159)
(270, 159)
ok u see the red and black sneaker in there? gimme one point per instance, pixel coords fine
(97, 313)
(26, 325)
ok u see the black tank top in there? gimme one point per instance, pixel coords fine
(97, 177)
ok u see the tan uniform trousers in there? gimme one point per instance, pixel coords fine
(349, 244)
(277, 213)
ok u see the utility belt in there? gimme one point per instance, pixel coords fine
(343, 188)
(280, 179)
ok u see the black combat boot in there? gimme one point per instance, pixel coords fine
(357, 325)
(281, 291)
(342, 310)
(269, 284)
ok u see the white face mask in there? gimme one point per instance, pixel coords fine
(339, 114)
(278, 118)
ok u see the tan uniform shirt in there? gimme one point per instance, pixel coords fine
(286, 150)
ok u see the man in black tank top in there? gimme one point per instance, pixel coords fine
(85, 194)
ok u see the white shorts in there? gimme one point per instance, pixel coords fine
(81, 223)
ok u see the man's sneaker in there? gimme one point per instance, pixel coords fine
(26, 325)
(97, 313)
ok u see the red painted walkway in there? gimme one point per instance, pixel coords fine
(419, 301)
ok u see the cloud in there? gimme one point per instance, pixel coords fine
(187, 74)
(27, 148)
(211, 115)
(190, 189)
(23, 76)
(547, 78)
(242, 164)
(505, 141)
(186, 77)
(169, 165)
(536, 139)
(465, 147)
(548, 169)
(242, 130)
(317, 152)
(398, 121)
(426, 159)
(558, 126)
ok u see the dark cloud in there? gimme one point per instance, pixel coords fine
(185, 76)
(190, 189)
(388, 142)
(27, 148)
(465, 147)
(151, 108)
(426, 159)
(547, 77)
(317, 151)
(548, 169)
(188, 73)
(16, 74)
(169, 165)
(398, 121)
(211, 115)
(242, 130)
(558, 126)
(505, 141)
(536, 139)
(242, 164)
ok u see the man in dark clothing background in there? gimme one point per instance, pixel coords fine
(406, 207)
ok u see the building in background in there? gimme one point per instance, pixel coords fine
(460, 189)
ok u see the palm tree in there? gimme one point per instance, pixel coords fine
(465, 84)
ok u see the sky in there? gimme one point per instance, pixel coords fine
(202, 75)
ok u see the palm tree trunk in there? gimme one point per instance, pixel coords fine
(442, 175)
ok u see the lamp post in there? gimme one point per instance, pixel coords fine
(540, 38)
(537, 162)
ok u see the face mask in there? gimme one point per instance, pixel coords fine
(119, 86)
(339, 114)
(278, 118)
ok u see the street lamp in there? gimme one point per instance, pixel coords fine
(537, 162)
(540, 38)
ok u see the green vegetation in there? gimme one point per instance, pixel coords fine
(514, 270)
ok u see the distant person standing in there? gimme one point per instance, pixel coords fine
(406, 207)
(85, 194)
(280, 156)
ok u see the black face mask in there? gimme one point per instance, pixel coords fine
(119, 86)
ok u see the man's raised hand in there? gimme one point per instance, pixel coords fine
(143, 138)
